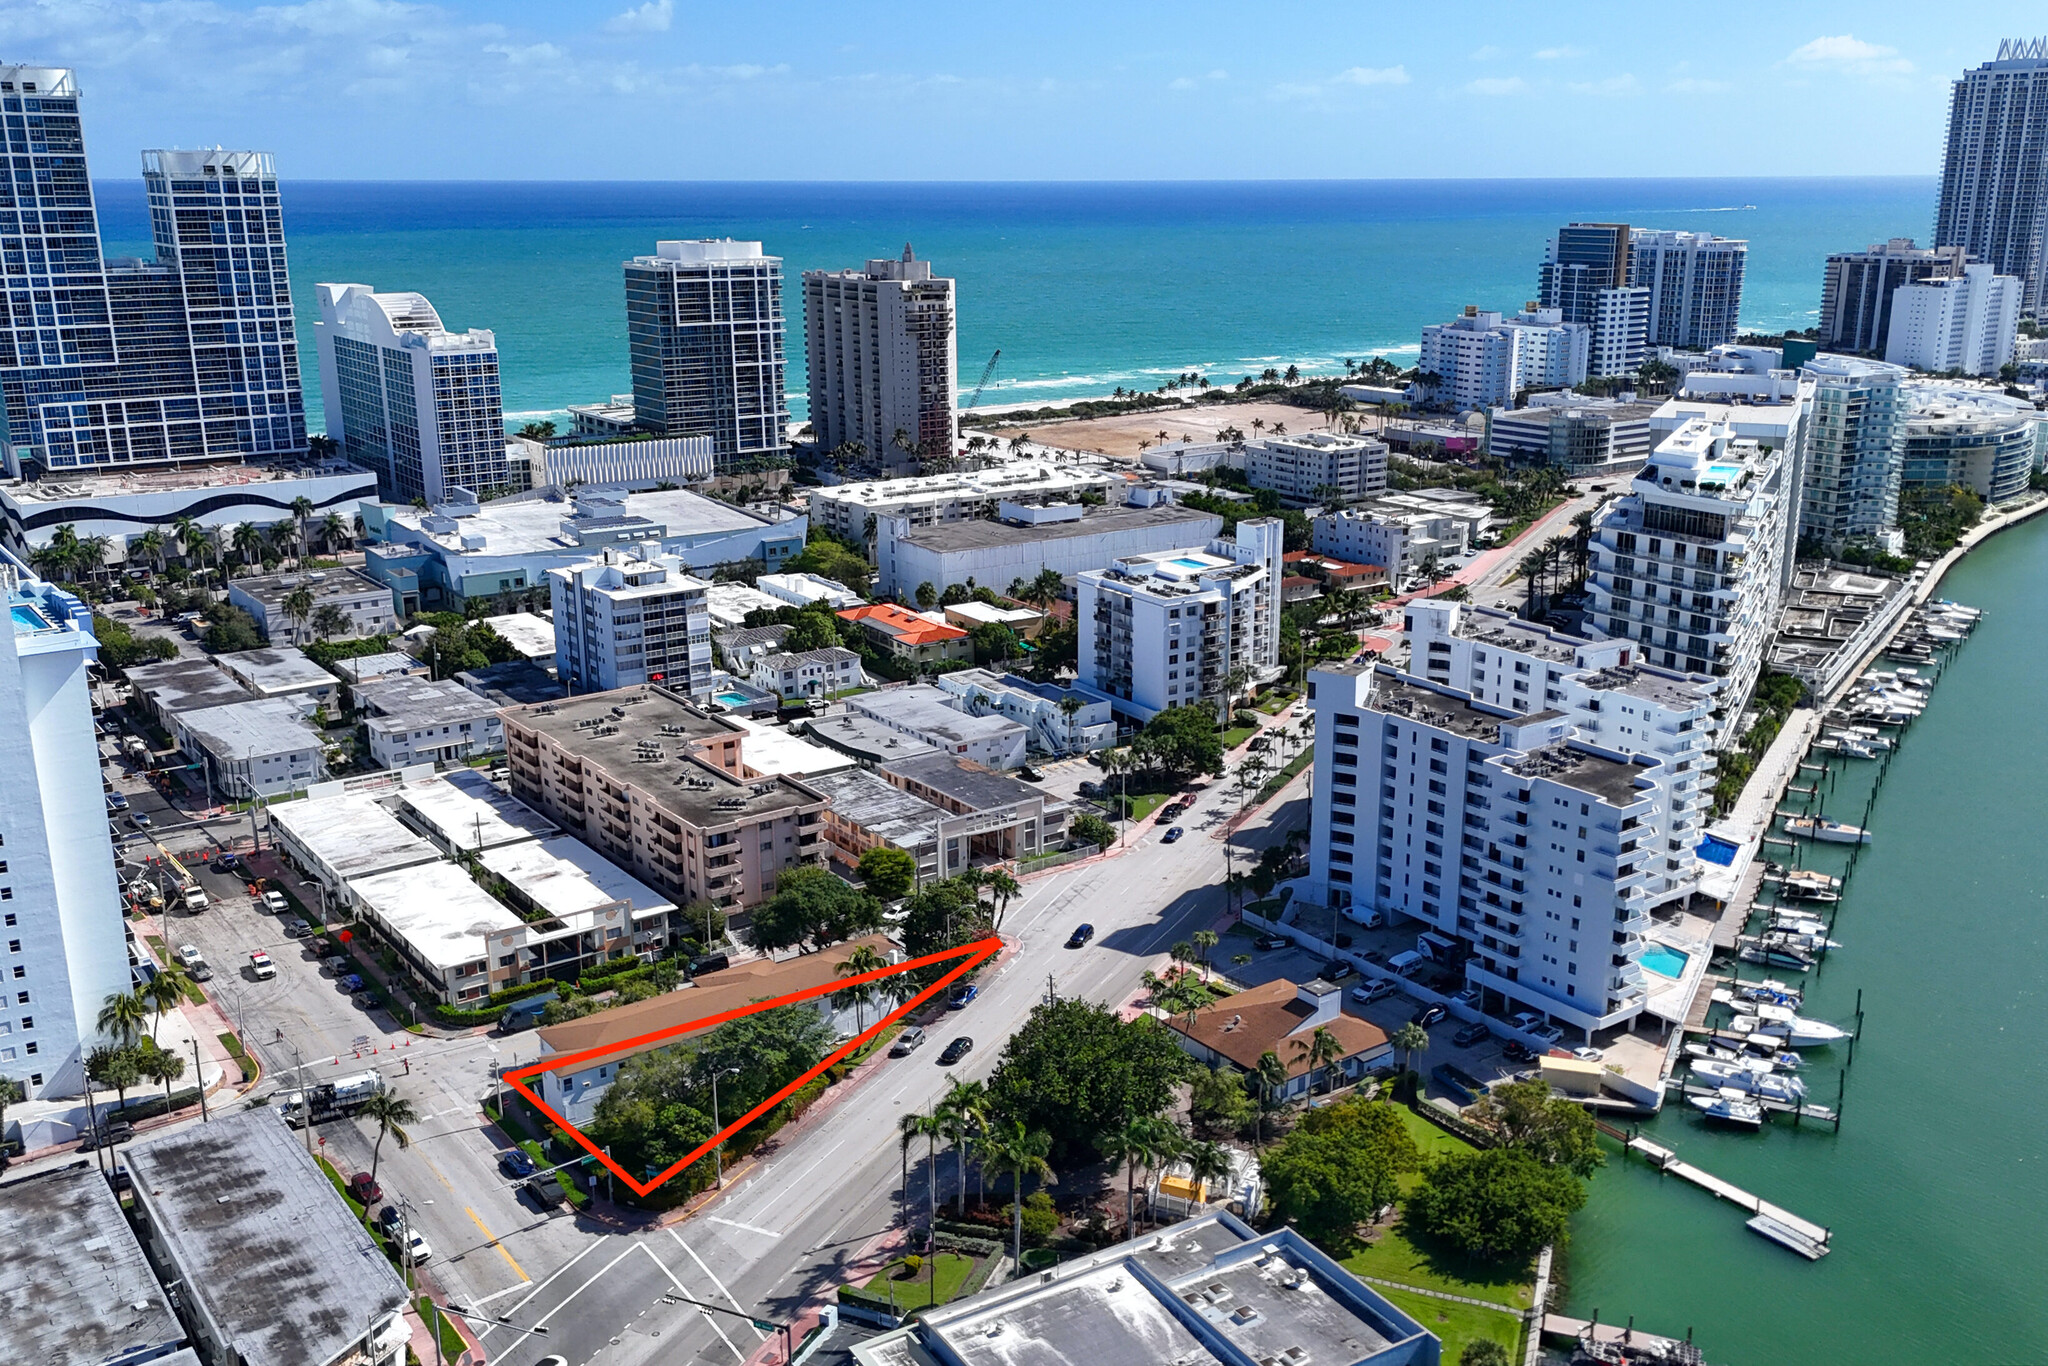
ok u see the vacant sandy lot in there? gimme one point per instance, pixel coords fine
(1125, 436)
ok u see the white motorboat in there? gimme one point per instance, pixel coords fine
(1751, 1077)
(1770, 991)
(1793, 923)
(1796, 1030)
(1826, 831)
(1729, 1107)
(1728, 1047)
(1774, 956)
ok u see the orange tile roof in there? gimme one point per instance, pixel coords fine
(903, 623)
(1267, 1018)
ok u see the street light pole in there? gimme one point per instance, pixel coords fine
(199, 1074)
(305, 1096)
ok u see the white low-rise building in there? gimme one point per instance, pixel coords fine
(532, 635)
(363, 604)
(801, 590)
(923, 713)
(844, 509)
(730, 604)
(259, 748)
(1057, 721)
(1025, 542)
(422, 721)
(1317, 467)
(1400, 540)
(1183, 627)
(623, 618)
(809, 673)
(281, 673)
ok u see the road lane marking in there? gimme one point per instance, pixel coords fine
(759, 1336)
(734, 1223)
(477, 1219)
(501, 1294)
(793, 1182)
(546, 1283)
(702, 1313)
(570, 1298)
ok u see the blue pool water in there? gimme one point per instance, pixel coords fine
(734, 699)
(28, 618)
(1189, 564)
(1714, 849)
(1664, 960)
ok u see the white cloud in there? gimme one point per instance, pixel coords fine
(1373, 75)
(1559, 54)
(652, 17)
(1485, 54)
(1623, 84)
(1845, 52)
(1497, 85)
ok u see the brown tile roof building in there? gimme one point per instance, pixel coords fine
(1271, 1018)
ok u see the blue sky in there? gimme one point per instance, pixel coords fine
(774, 89)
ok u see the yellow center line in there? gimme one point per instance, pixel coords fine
(516, 1268)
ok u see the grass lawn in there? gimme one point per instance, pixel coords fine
(874, 1045)
(1458, 1324)
(949, 1268)
(1275, 703)
(452, 1345)
(1237, 735)
(1143, 806)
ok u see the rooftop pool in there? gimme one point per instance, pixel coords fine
(27, 618)
(1664, 960)
(1714, 849)
(733, 699)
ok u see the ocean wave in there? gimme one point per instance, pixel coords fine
(534, 414)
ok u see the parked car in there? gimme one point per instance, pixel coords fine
(365, 1000)
(418, 1248)
(1517, 1051)
(297, 928)
(229, 864)
(116, 1131)
(1468, 997)
(546, 1191)
(1471, 1034)
(364, 1188)
(1083, 932)
(907, 1042)
(1549, 1033)
(1589, 1054)
(201, 971)
(1172, 835)
(275, 903)
(1336, 970)
(188, 954)
(1427, 1015)
(1030, 774)
(1272, 941)
(1365, 993)
(116, 802)
(1525, 1020)
(139, 819)
(351, 984)
(1260, 743)
(962, 994)
(1089, 790)
(1169, 812)
(391, 1219)
(515, 1163)
(956, 1050)
(334, 964)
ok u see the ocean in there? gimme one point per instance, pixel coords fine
(1083, 287)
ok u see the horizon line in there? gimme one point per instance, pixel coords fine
(1112, 180)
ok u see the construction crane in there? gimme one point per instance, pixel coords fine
(986, 371)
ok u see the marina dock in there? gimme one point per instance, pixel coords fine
(1780, 1225)
(1560, 1329)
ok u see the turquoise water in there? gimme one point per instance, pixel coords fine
(734, 699)
(1188, 564)
(1665, 961)
(1937, 1186)
(1084, 287)
(28, 618)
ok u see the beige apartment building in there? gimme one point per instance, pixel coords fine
(655, 785)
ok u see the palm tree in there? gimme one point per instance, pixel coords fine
(247, 542)
(118, 1067)
(1001, 887)
(1271, 1074)
(122, 1016)
(11, 1092)
(1320, 1051)
(964, 1112)
(863, 959)
(329, 621)
(931, 1129)
(1205, 940)
(150, 546)
(1410, 1038)
(334, 531)
(92, 554)
(302, 510)
(164, 1065)
(1008, 1146)
(186, 533)
(284, 536)
(1140, 1142)
(1206, 1162)
(298, 605)
(391, 1113)
(165, 991)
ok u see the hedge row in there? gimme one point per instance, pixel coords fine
(149, 1107)
(494, 1005)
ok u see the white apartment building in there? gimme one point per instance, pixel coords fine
(1585, 276)
(409, 399)
(1400, 532)
(1057, 721)
(801, 590)
(1317, 467)
(365, 603)
(60, 902)
(1482, 359)
(961, 495)
(1854, 453)
(1520, 846)
(259, 748)
(625, 618)
(808, 673)
(1689, 564)
(1169, 629)
(1968, 435)
(1603, 689)
(927, 714)
(1856, 292)
(1963, 322)
(423, 721)
(1695, 284)
(636, 464)
(1066, 539)
(880, 348)
(1994, 169)
(704, 328)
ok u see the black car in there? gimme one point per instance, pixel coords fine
(1428, 1015)
(228, 863)
(1171, 835)
(1471, 1034)
(1335, 971)
(1517, 1051)
(1271, 941)
(546, 1191)
(1030, 775)
(391, 1219)
(1081, 935)
(516, 1164)
(956, 1050)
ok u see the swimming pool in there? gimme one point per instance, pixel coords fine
(1189, 564)
(733, 699)
(1665, 961)
(1714, 849)
(28, 618)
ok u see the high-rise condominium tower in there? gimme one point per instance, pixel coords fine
(704, 322)
(1695, 284)
(1585, 277)
(1993, 192)
(410, 399)
(1856, 293)
(60, 903)
(880, 350)
(187, 357)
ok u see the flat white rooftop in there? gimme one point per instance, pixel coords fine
(564, 876)
(258, 727)
(276, 672)
(354, 835)
(438, 909)
(770, 750)
(531, 635)
(463, 809)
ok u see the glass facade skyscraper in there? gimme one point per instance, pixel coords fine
(704, 324)
(126, 362)
(1994, 202)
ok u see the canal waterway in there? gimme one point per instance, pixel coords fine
(1936, 1188)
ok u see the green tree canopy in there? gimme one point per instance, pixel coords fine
(810, 909)
(1077, 1071)
(812, 628)
(829, 559)
(1338, 1168)
(1557, 1133)
(888, 871)
(1500, 1205)
(230, 629)
(1182, 740)
(121, 648)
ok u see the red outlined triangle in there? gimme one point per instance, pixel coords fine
(971, 956)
